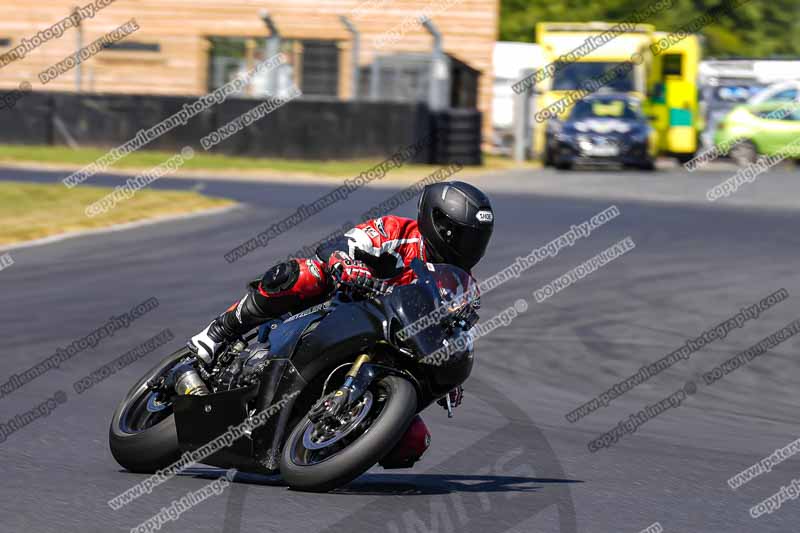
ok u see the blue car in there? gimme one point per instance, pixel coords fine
(602, 129)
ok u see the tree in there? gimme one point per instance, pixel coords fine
(756, 28)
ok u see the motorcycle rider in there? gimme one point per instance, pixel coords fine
(454, 224)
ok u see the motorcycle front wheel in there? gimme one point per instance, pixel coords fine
(321, 457)
(142, 436)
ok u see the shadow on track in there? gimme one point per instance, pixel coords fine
(428, 484)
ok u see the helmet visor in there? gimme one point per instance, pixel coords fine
(466, 244)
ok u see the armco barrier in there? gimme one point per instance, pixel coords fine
(306, 128)
(30, 121)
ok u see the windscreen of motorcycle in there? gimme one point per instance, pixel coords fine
(441, 292)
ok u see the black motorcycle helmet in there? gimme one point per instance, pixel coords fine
(456, 222)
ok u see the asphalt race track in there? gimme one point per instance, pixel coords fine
(509, 461)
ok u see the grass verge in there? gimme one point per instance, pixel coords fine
(145, 159)
(32, 211)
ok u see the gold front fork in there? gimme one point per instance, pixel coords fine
(360, 360)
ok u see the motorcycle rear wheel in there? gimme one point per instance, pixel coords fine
(317, 459)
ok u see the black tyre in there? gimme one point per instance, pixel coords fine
(648, 165)
(318, 459)
(143, 437)
(547, 159)
(744, 153)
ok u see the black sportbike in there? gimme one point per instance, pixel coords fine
(338, 384)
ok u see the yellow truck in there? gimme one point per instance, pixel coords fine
(673, 94)
(659, 68)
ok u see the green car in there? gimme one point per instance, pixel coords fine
(771, 128)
